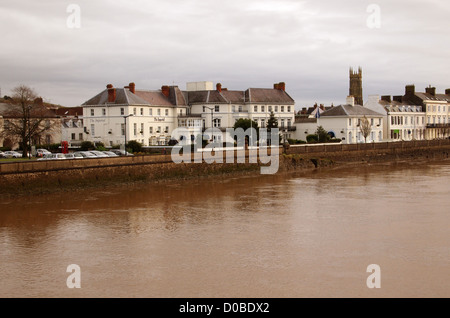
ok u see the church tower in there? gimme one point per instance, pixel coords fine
(356, 86)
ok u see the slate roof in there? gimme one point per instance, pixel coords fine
(123, 97)
(178, 97)
(349, 111)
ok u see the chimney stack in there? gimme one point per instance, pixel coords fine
(165, 90)
(132, 87)
(282, 86)
(386, 98)
(447, 91)
(410, 90)
(430, 90)
(275, 86)
(398, 99)
(350, 100)
(111, 93)
(219, 87)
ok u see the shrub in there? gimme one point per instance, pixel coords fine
(134, 146)
(311, 139)
(87, 145)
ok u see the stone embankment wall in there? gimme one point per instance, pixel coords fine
(47, 176)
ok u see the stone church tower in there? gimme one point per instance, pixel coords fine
(356, 86)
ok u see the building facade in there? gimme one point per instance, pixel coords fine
(150, 117)
(436, 108)
(402, 121)
(344, 122)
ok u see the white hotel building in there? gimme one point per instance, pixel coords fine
(150, 117)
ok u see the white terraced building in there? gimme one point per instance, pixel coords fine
(150, 117)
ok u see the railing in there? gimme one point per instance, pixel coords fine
(438, 125)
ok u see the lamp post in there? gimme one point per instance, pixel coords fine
(29, 131)
(125, 132)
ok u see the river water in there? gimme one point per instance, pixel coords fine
(295, 235)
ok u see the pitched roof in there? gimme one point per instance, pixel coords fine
(69, 111)
(349, 111)
(123, 97)
(268, 95)
(429, 97)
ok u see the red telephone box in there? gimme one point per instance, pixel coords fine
(65, 147)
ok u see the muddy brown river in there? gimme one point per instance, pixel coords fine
(294, 235)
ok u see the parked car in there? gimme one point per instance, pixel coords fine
(58, 156)
(99, 154)
(85, 154)
(110, 154)
(47, 156)
(121, 152)
(73, 156)
(41, 152)
(12, 154)
(2, 154)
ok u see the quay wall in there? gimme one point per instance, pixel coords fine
(24, 177)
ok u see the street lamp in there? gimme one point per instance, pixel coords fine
(125, 132)
(29, 130)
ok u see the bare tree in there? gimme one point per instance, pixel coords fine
(365, 128)
(26, 117)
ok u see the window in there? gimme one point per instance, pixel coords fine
(122, 111)
(181, 112)
(282, 109)
(282, 123)
(159, 129)
(134, 111)
(93, 130)
(349, 121)
(103, 112)
(216, 108)
(135, 129)
(73, 136)
(80, 136)
(142, 128)
(289, 123)
(233, 108)
(289, 109)
(167, 130)
(159, 112)
(241, 108)
(270, 109)
(439, 108)
(142, 111)
(204, 109)
(276, 109)
(150, 112)
(263, 109)
(371, 121)
(122, 129)
(359, 122)
(217, 122)
(167, 112)
(255, 109)
(92, 112)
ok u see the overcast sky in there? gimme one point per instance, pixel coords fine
(310, 45)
